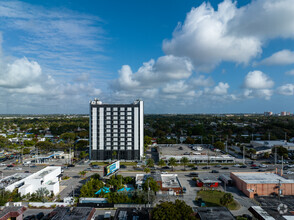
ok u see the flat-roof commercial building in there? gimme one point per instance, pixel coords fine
(288, 145)
(262, 183)
(46, 178)
(168, 182)
(116, 128)
(201, 158)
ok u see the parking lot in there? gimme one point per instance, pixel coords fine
(186, 149)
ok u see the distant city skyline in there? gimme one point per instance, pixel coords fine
(178, 57)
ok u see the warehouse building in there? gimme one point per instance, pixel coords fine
(262, 184)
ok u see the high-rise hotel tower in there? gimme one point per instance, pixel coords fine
(116, 128)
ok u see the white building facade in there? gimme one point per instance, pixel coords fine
(116, 128)
(46, 178)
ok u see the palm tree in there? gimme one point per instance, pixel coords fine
(172, 162)
(184, 161)
(147, 170)
(83, 173)
(114, 153)
(150, 162)
(161, 163)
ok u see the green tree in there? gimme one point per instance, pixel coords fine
(226, 199)
(82, 144)
(150, 162)
(42, 194)
(266, 155)
(219, 145)
(172, 162)
(189, 140)
(114, 153)
(171, 211)
(147, 170)
(184, 161)
(161, 163)
(83, 173)
(28, 143)
(83, 155)
(152, 184)
(68, 136)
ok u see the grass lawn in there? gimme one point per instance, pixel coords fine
(212, 198)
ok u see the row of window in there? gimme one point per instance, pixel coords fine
(121, 126)
(116, 122)
(119, 130)
(120, 108)
(120, 118)
(121, 148)
(120, 143)
(121, 139)
(120, 113)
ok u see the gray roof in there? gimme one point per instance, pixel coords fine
(261, 177)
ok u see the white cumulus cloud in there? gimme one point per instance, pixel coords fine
(287, 89)
(257, 80)
(283, 57)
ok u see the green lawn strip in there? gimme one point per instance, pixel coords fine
(212, 198)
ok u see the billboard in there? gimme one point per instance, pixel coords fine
(111, 168)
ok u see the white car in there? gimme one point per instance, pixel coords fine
(18, 168)
(2, 164)
(164, 172)
(263, 166)
(236, 165)
(290, 172)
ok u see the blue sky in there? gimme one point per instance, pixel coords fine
(177, 56)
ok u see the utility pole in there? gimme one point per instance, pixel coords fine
(244, 155)
(148, 191)
(275, 156)
(285, 136)
(282, 171)
(269, 136)
(70, 155)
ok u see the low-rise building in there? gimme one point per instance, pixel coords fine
(69, 213)
(201, 158)
(12, 213)
(169, 183)
(262, 183)
(288, 145)
(46, 178)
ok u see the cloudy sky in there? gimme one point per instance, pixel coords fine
(178, 56)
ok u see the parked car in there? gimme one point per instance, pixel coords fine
(205, 168)
(218, 165)
(193, 174)
(27, 171)
(263, 165)
(96, 167)
(236, 165)
(40, 215)
(10, 165)
(184, 190)
(165, 168)
(164, 172)
(215, 171)
(123, 166)
(194, 168)
(71, 165)
(225, 168)
(243, 166)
